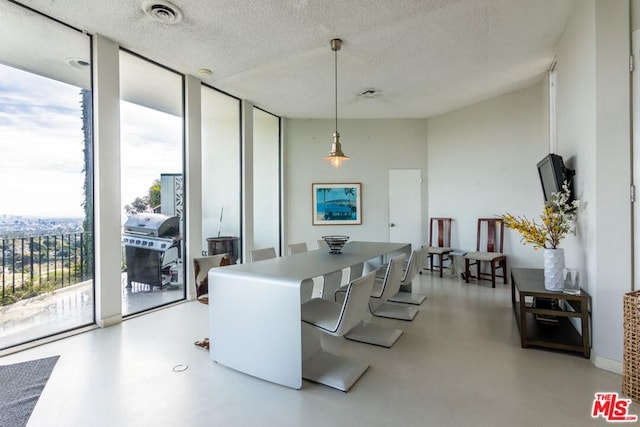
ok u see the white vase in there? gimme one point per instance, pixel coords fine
(553, 267)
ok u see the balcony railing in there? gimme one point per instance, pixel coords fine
(32, 265)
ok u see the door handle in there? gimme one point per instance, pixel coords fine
(392, 225)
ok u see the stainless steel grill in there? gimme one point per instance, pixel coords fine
(152, 224)
(147, 237)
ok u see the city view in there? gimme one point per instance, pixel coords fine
(12, 226)
(41, 254)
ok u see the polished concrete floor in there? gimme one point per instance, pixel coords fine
(459, 363)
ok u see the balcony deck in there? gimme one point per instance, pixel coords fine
(72, 307)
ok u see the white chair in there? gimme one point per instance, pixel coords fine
(296, 248)
(414, 266)
(310, 288)
(355, 271)
(261, 254)
(336, 278)
(331, 281)
(383, 289)
(335, 319)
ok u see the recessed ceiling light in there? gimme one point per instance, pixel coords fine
(79, 63)
(162, 11)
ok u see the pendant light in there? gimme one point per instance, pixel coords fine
(336, 156)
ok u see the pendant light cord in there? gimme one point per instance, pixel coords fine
(336, 85)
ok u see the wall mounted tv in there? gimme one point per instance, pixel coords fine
(553, 173)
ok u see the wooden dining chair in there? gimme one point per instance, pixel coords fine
(489, 247)
(439, 243)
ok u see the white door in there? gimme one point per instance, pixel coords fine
(405, 206)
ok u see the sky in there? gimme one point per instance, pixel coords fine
(41, 147)
(151, 144)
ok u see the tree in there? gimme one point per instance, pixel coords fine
(324, 192)
(146, 203)
(87, 223)
(350, 192)
(154, 194)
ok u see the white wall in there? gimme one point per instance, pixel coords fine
(374, 146)
(193, 187)
(593, 132)
(108, 245)
(482, 163)
(576, 130)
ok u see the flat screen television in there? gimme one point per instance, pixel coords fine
(553, 174)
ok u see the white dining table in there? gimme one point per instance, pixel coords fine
(254, 308)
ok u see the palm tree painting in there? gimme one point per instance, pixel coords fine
(337, 204)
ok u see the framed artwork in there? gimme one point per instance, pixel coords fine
(336, 204)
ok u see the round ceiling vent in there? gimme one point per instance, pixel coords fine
(162, 11)
(79, 63)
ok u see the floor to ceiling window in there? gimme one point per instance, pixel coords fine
(46, 171)
(152, 172)
(221, 184)
(266, 179)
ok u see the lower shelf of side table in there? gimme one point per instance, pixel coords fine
(561, 335)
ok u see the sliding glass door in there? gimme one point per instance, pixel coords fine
(266, 179)
(152, 169)
(221, 206)
(46, 177)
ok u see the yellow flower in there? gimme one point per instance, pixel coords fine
(558, 218)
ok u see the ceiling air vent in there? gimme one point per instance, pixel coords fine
(369, 93)
(78, 63)
(162, 11)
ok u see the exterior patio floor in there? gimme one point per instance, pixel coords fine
(72, 307)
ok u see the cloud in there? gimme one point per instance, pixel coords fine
(42, 143)
(41, 146)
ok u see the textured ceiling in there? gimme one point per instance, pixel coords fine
(425, 57)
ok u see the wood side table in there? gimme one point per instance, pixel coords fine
(560, 334)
